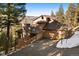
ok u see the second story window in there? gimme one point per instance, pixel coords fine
(42, 17)
(48, 19)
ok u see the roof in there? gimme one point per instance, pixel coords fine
(41, 22)
(48, 16)
(50, 25)
(55, 25)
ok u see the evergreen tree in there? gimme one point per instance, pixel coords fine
(60, 14)
(71, 11)
(12, 12)
(52, 13)
(70, 14)
(77, 14)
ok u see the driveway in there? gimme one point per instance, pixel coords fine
(46, 47)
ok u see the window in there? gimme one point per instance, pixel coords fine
(48, 19)
(42, 17)
(33, 29)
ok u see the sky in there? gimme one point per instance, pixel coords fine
(37, 9)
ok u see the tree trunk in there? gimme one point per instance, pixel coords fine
(8, 31)
(8, 37)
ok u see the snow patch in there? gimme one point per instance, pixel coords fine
(69, 43)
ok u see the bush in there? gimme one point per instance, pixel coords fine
(2, 40)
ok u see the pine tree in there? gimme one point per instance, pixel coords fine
(71, 11)
(12, 12)
(77, 14)
(60, 14)
(52, 13)
(70, 14)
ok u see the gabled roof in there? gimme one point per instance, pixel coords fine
(50, 25)
(55, 25)
(47, 16)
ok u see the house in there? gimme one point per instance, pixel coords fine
(29, 19)
(30, 30)
(49, 25)
(43, 18)
(26, 22)
(52, 29)
(41, 21)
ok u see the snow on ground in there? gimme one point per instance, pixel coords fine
(69, 43)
